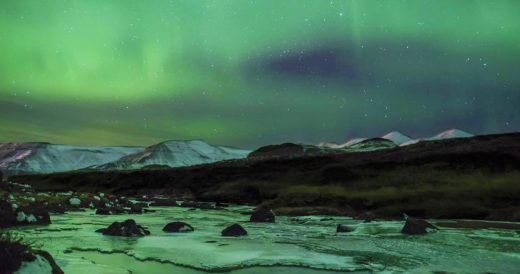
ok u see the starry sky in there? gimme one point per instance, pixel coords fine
(249, 73)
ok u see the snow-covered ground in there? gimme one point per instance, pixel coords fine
(291, 245)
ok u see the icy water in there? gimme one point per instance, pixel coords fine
(307, 245)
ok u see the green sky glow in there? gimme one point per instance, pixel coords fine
(137, 72)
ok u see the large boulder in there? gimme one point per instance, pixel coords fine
(117, 210)
(343, 228)
(164, 202)
(262, 216)
(234, 230)
(127, 228)
(7, 215)
(136, 209)
(416, 226)
(103, 211)
(178, 227)
(191, 204)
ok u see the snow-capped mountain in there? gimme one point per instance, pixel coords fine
(450, 134)
(175, 154)
(41, 157)
(397, 137)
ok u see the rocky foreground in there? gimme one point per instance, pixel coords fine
(21, 205)
(175, 239)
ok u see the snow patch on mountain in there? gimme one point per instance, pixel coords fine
(397, 137)
(38, 157)
(450, 134)
(175, 154)
(352, 142)
(328, 145)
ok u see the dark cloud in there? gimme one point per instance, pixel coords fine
(319, 62)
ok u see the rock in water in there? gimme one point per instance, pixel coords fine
(235, 230)
(262, 216)
(164, 202)
(343, 228)
(178, 227)
(127, 228)
(416, 227)
(135, 209)
(103, 211)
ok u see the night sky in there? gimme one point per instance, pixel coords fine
(250, 73)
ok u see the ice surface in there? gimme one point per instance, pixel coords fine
(291, 245)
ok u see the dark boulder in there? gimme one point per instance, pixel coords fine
(343, 228)
(135, 209)
(234, 230)
(220, 204)
(127, 228)
(190, 204)
(262, 216)
(116, 210)
(103, 211)
(178, 227)
(416, 226)
(206, 205)
(42, 216)
(7, 216)
(164, 202)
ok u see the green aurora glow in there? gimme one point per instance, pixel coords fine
(249, 73)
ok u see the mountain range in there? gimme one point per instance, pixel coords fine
(400, 139)
(40, 157)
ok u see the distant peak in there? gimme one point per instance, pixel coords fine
(396, 137)
(452, 133)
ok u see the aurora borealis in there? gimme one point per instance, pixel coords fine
(250, 73)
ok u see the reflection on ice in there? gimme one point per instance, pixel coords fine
(291, 245)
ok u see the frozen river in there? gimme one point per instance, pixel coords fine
(291, 245)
